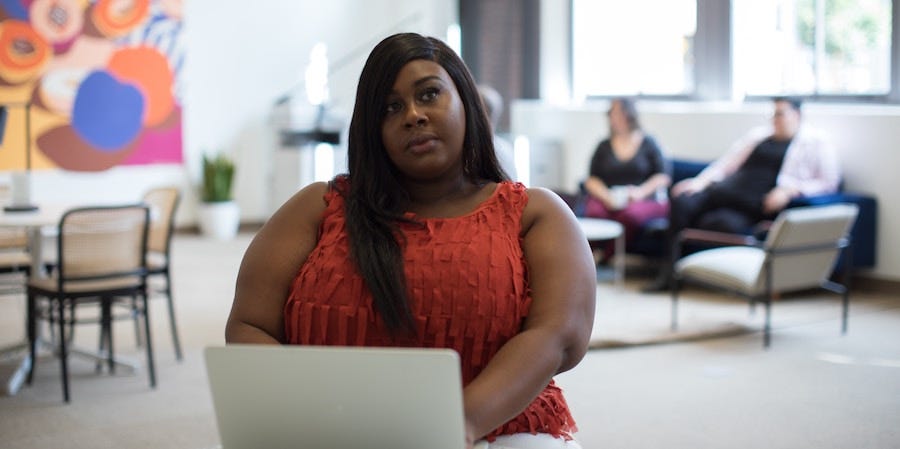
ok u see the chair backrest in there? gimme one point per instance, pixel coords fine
(103, 242)
(804, 242)
(163, 202)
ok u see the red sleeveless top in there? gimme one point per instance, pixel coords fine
(468, 290)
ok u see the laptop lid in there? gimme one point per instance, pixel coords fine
(336, 397)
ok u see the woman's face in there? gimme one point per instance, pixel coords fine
(618, 123)
(425, 122)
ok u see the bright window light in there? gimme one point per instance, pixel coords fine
(633, 47)
(324, 162)
(454, 39)
(521, 158)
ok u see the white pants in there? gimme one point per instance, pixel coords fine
(528, 441)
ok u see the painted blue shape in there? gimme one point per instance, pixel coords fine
(107, 113)
(14, 9)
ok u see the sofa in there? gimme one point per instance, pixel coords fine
(652, 239)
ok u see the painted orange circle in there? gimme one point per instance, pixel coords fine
(149, 70)
(23, 52)
(114, 18)
(57, 20)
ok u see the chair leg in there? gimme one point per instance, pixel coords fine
(63, 351)
(101, 346)
(676, 287)
(32, 334)
(767, 329)
(175, 340)
(151, 369)
(845, 310)
(138, 339)
(106, 326)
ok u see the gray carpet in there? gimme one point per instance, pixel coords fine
(813, 387)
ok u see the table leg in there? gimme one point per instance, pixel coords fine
(13, 383)
(620, 261)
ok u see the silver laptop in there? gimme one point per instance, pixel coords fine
(315, 397)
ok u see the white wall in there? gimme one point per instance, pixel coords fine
(241, 56)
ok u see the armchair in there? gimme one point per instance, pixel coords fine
(800, 251)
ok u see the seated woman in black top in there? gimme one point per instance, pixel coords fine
(627, 170)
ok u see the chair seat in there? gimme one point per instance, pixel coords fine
(733, 267)
(51, 284)
(14, 259)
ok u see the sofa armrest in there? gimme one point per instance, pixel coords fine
(684, 168)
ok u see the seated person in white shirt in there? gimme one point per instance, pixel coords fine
(755, 180)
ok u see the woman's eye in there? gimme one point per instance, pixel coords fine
(393, 107)
(429, 94)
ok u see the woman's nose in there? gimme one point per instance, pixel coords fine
(415, 116)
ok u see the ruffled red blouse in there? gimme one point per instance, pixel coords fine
(468, 290)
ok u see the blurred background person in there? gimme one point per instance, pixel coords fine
(628, 174)
(493, 104)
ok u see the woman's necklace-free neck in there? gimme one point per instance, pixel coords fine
(448, 200)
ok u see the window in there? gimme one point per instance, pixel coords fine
(812, 47)
(839, 50)
(620, 48)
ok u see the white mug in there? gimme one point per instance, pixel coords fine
(619, 196)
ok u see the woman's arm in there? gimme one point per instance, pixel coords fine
(660, 179)
(557, 330)
(269, 266)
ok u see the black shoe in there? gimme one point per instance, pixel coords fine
(661, 284)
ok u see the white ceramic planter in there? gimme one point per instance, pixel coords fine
(219, 220)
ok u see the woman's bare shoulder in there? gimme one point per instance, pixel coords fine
(303, 208)
(544, 203)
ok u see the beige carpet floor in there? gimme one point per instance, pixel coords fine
(626, 317)
(648, 396)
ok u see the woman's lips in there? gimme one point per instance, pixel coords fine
(421, 144)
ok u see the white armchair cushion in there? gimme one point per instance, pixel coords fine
(733, 267)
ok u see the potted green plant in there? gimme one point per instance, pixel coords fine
(218, 176)
(219, 215)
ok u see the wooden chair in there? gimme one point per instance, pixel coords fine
(163, 202)
(101, 255)
(15, 259)
(799, 252)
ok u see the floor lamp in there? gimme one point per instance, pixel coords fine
(21, 182)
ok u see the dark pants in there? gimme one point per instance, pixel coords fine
(719, 207)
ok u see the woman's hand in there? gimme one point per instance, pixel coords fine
(777, 199)
(688, 186)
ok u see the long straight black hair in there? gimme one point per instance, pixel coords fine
(376, 199)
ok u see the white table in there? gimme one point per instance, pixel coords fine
(601, 230)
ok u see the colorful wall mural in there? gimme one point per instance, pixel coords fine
(99, 80)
